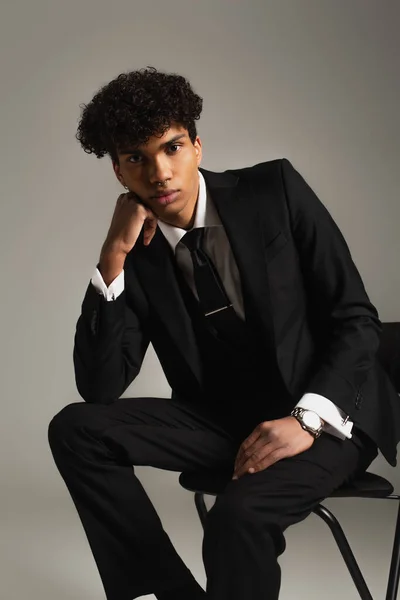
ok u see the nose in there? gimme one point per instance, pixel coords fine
(159, 170)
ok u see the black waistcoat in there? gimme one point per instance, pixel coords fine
(241, 384)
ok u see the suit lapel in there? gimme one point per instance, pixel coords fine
(237, 209)
(156, 271)
(237, 206)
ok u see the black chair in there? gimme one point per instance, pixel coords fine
(368, 485)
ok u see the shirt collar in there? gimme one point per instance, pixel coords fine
(206, 216)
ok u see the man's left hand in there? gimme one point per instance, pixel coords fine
(271, 441)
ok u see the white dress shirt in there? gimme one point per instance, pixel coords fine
(217, 246)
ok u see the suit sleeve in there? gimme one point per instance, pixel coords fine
(109, 345)
(349, 324)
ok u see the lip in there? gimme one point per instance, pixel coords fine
(167, 198)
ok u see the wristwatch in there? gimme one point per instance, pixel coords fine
(309, 420)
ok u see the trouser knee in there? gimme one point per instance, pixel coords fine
(64, 428)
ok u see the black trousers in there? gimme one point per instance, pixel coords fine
(96, 447)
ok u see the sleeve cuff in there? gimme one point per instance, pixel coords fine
(332, 415)
(115, 288)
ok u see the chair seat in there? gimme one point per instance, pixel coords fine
(212, 483)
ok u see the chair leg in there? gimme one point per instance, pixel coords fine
(201, 507)
(345, 551)
(344, 547)
(394, 573)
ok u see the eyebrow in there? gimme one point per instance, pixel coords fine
(136, 149)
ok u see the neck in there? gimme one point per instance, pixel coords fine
(182, 221)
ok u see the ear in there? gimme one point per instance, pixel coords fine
(117, 171)
(198, 150)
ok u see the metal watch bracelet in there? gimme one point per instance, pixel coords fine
(298, 412)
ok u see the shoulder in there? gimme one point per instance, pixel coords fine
(266, 173)
(269, 167)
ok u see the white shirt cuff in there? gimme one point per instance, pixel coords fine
(115, 288)
(333, 416)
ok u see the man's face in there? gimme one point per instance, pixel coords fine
(172, 159)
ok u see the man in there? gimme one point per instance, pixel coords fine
(247, 290)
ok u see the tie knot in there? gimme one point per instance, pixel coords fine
(193, 239)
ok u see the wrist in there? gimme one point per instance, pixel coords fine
(111, 264)
(309, 420)
(302, 428)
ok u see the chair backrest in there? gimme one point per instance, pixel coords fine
(389, 352)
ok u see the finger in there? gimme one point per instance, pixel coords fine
(251, 458)
(268, 460)
(250, 439)
(254, 463)
(151, 217)
(248, 442)
(148, 238)
(148, 235)
(150, 228)
(247, 453)
(244, 469)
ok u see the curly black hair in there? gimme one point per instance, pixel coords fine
(135, 106)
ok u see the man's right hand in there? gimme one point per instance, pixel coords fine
(126, 224)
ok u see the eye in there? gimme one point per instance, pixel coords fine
(174, 146)
(134, 156)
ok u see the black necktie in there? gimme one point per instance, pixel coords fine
(213, 299)
(212, 295)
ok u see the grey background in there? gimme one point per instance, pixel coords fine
(314, 81)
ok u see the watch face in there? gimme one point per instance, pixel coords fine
(311, 419)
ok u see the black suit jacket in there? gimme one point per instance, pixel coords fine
(302, 293)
